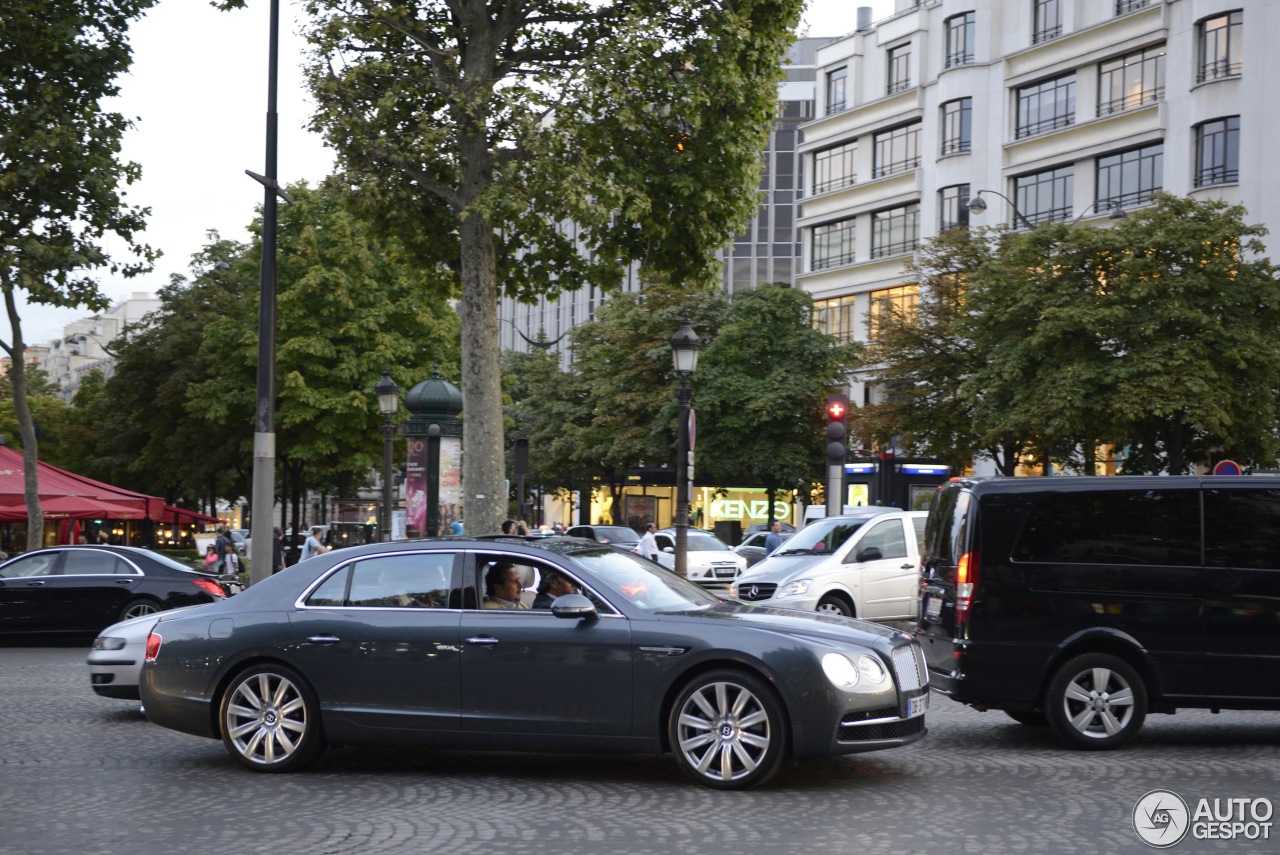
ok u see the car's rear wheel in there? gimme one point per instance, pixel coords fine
(270, 719)
(833, 605)
(139, 607)
(727, 730)
(1096, 701)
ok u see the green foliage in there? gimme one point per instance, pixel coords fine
(761, 385)
(1156, 335)
(476, 131)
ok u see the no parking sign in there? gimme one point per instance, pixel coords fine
(1226, 467)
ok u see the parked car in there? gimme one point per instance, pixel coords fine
(709, 561)
(115, 659)
(638, 661)
(787, 528)
(621, 536)
(864, 565)
(1086, 603)
(752, 548)
(78, 590)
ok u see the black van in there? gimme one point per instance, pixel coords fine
(1088, 602)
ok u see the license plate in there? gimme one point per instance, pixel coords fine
(917, 706)
(933, 606)
(724, 572)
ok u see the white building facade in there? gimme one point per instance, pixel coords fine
(1067, 108)
(86, 344)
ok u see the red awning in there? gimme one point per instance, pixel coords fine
(182, 516)
(56, 483)
(72, 507)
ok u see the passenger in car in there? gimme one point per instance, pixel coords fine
(502, 587)
(553, 585)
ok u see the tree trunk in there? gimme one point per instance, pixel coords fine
(26, 427)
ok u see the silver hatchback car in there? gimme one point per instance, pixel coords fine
(864, 565)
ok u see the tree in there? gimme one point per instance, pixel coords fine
(477, 128)
(60, 177)
(760, 388)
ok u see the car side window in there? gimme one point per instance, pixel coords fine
(531, 573)
(413, 580)
(31, 565)
(664, 541)
(886, 536)
(79, 562)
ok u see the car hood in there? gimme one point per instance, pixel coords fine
(781, 568)
(792, 622)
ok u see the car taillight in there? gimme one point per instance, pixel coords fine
(209, 587)
(966, 581)
(153, 646)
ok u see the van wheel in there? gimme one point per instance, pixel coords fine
(1096, 701)
(1030, 718)
(833, 605)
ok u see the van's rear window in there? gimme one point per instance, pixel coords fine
(1143, 527)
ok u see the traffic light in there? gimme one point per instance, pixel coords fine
(837, 414)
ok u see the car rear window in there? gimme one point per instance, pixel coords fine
(947, 526)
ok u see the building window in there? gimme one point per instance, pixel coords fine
(899, 69)
(1220, 46)
(902, 300)
(837, 90)
(836, 317)
(1218, 152)
(953, 207)
(1131, 81)
(1124, 7)
(1046, 106)
(897, 151)
(1129, 177)
(895, 231)
(1046, 21)
(833, 168)
(957, 125)
(960, 32)
(1044, 197)
(833, 244)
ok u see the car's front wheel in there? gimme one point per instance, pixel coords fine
(727, 730)
(1096, 701)
(833, 605)
(270, 719)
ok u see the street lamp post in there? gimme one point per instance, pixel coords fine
(684, 353)
(977, 205)
(388, 404)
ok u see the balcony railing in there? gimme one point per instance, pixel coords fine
(1124, 7)
(1046, 35)
(1211, 175)
(1217, 70)
(1132, 101)
(1043, 126)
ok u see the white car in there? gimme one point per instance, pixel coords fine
(864, 565)
(115, 660)
(709, 561)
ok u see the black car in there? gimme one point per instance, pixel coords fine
(396, 644)
(618, 535)
(79, 590)
(1085, 603)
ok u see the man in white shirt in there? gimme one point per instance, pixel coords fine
(313, 547)
(648, 544)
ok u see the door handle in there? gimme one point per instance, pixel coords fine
(36, 584)
(482, 640)
(323, 639)
(124, 581)
(908, 566)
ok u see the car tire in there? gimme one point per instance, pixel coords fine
(1096, 702)
(270, 719)
(140, 607)
(833, 605)
(1031, 718)
(727, 730)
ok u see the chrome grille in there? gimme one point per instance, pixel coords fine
(756, 590)
(908, 663)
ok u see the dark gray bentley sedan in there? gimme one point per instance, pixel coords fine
(554, 644)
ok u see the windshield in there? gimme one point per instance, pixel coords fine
(706, 543)
(624, 576)
(822, 537)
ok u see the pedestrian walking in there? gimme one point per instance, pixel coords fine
(648, 546)
(313, 547)
(773, 539)
(277, 550)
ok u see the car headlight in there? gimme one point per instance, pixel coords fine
(840, 670)
(108, 643)
(794, 589)
(872, 668)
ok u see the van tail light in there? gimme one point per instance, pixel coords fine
(966, 581)
(209, 587)
(153, 646)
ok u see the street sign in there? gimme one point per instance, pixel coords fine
(1226, 467)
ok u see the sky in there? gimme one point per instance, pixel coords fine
(197, 97)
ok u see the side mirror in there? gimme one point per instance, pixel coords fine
(574, 606)
(871, 553)
(670, 549)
